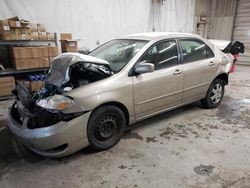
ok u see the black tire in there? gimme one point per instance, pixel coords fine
(212, 100)
(105, 127)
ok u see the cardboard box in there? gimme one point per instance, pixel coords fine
(50, 35)
(7, 85)
(31, 85)
(41, 28)
(21, 64)
(33, 63)
(19, 52)
(42, 35)
(23, 34)
(43, 62)
(53, 51)
(32, 52)
(13, 34)
(30, 63)
(66, 36)
(36, 85)
(34, 35)
(43, 51)
(6, 35)
(33, 27)
(18, 34)
(24, 52)
(69, 46)
(14, 24)
(4, 25)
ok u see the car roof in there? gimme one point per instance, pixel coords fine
(155, 35)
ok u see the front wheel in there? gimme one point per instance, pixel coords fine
(106, 127)
(214, 95)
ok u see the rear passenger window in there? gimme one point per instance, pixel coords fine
(193, 50)
(162, 55)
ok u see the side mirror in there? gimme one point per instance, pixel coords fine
(142, 68)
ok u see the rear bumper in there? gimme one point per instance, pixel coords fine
(57, 140)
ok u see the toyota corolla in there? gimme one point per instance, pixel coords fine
(91, 99)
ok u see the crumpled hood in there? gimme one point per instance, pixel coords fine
(59, 70)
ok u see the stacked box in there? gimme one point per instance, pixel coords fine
(7, 85)
(53, 52)
(14, 29)
(36, 85)
(32, 57)
(14, 24)
(67, 44)
(50, 36)
(5, 33)
(66, 36)
(43, 56)
(34, 31)
(42, 35)
(24, 57)
(31, 85)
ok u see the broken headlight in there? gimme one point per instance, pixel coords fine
(56, 102)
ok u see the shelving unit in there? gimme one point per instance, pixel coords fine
(24, 43)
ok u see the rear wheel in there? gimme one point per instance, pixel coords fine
(105, 127)
(214, 95)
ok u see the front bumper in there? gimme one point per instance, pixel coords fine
(58, 140)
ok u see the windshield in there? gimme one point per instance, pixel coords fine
(118, 52)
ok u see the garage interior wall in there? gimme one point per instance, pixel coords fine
(220, 18)
(242, 28)
(96, 21)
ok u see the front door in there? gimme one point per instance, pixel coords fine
(161, 89)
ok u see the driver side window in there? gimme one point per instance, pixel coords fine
(163, 55)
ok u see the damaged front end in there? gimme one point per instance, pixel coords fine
(50, 104)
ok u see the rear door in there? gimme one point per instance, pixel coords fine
(161, 89)
(199, 68)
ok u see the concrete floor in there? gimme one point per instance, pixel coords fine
(187, 147)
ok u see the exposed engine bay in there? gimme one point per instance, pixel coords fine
(67, 72)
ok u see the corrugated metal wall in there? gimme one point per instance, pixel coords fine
(242, 28)
(221, 20)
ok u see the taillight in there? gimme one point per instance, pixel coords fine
(234, 62)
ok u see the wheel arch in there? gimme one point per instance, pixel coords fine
(119, 105)
(223, 77)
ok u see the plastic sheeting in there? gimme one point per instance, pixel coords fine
(96, 21)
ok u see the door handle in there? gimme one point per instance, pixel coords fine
(211, 63)
(177, 71)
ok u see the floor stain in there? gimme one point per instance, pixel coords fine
(204, 170)
(234, 111)
(135, 156)
(122, 167)
(151, 139)
(132, 135)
